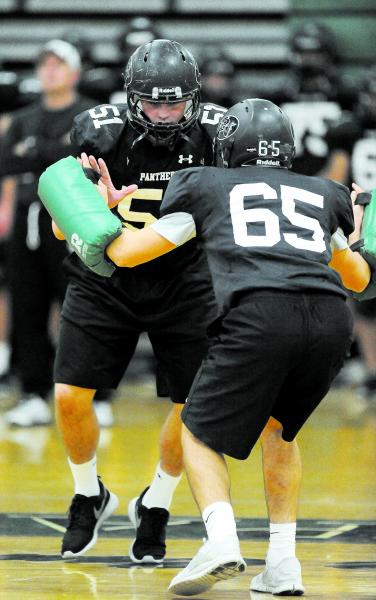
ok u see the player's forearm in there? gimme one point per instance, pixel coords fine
(134, 248)
(354, 271)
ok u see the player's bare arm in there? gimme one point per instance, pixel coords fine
(133, 248)
(353, 269)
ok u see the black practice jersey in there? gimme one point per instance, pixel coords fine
(311, 118)
(36, 138)
(263, 228)
(312, 105)
(357, 137)
(105, 132)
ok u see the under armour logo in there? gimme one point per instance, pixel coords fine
(182, 158)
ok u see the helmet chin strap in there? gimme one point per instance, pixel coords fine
(137, 140)
(146, 135)
(170, 145)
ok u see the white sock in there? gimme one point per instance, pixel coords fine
(281, 542)
(219, 521)
(161, 490)
(85, 477)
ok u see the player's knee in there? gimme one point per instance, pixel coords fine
(70, 399)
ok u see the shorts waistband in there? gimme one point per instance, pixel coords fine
(248, 296)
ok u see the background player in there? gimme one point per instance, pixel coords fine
(352, 142)
(314, 94)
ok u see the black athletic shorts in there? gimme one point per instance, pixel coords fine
(271, 355)
(100, 328)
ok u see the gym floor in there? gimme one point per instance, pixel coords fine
(336, 539)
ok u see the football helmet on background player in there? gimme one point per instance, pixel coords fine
(312, 49)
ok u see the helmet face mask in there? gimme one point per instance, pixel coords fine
(313, 49)
(254, 132)
(165, 72)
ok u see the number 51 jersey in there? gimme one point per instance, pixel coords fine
(105, 132)
(263, 228)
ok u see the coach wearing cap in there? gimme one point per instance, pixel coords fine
(37, 137)
(64, 51)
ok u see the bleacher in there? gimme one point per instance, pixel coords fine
(254, 33)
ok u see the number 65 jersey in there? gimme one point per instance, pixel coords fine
(262, 228)
(105, 132)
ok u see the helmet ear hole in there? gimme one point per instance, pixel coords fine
(166, 73)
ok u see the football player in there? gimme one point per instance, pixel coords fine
(267, 235)
(314, 94)
(163, 128)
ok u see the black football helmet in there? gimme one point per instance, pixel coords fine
(313, 48)
(162, 71)
(254, 132)
(137, 32)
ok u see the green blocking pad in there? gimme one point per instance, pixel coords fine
(368, 233)
(367, 244)
(80, 212)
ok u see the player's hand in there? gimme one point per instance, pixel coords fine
(356, 189)
(85, 163)
(114, 196)
(358, 214)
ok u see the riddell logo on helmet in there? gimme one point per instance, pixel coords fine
(267, 162)
(167, 90)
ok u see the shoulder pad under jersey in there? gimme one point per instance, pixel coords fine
(209, 117)
(96, 131)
